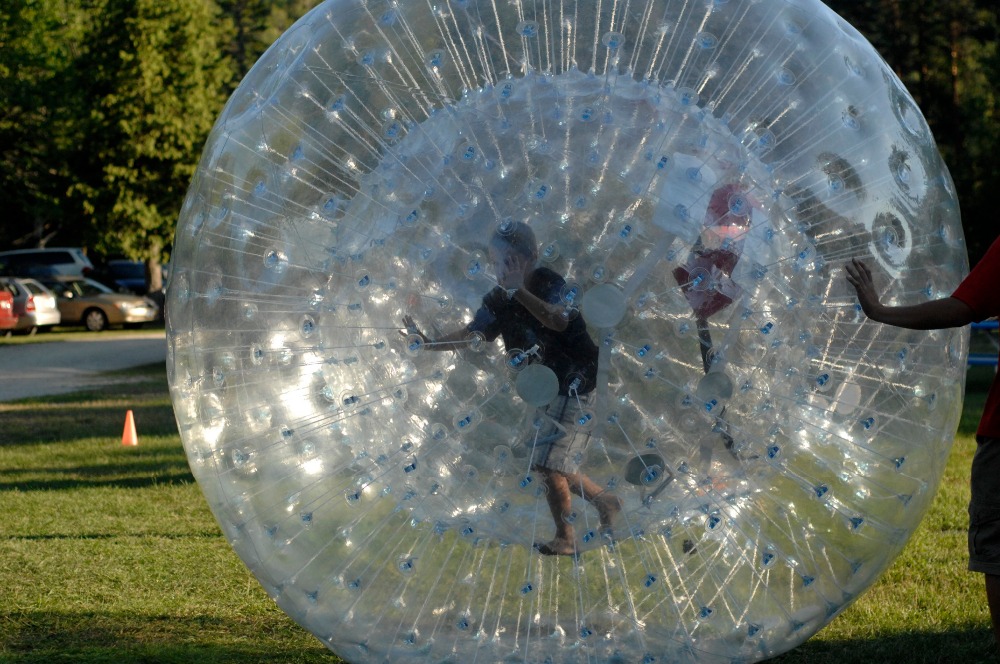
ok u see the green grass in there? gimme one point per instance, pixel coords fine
(109, 553)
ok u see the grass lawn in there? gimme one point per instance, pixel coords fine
(109, 554)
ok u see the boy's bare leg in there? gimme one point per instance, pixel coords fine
(560, 505)
(993, 599)
(608, 504)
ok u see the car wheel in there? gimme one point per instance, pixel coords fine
(95, 320)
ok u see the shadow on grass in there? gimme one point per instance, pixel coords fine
(180, 476)
(52, 637)
(969, 645)
(156, 464)
(120, 638)
(48, 423)
(93, 537)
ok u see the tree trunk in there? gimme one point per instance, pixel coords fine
(957, 128)
(154, 275)
(154, 271)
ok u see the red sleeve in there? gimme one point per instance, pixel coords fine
(981, 289)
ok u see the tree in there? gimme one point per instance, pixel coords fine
(39, 107)
(945, 51)
(975, 73)
(156, 76)
(246, 23)
(112, 100)
(283, 14)
(253, 25)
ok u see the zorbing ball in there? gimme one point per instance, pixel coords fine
(744, 451)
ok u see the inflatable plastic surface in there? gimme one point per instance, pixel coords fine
(372, 408)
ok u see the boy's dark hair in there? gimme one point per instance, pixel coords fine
(516, 236)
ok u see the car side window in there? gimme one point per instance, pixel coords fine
(54, 258)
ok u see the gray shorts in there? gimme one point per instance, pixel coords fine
(984, 508)
(562, 434)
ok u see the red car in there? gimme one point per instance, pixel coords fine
(7, 318)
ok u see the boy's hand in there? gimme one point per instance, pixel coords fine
(411, 328)
(859, 276)
(512, 273)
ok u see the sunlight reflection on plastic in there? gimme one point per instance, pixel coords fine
(698, 172)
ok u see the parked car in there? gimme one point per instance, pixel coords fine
(48, 262)
(34, 304)
(8, 319)
(122, 275)
(96, 306)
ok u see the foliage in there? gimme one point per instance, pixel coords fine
(110, 101)
(946, 53)
(105, 106)
(155, 78)
(246, 24)
(251, 26)
(39, 41)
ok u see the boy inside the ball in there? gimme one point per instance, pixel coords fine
(524, 309)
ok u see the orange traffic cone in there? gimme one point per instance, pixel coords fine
(128, 436)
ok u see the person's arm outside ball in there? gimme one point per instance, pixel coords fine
(931, 315)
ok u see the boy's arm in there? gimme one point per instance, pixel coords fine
(549, 315)
(512, 281)
(452, 341)
(930, 315)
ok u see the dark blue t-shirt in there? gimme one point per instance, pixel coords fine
(571, 354)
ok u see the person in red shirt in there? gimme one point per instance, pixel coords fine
(706, 276)
(976, 298)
